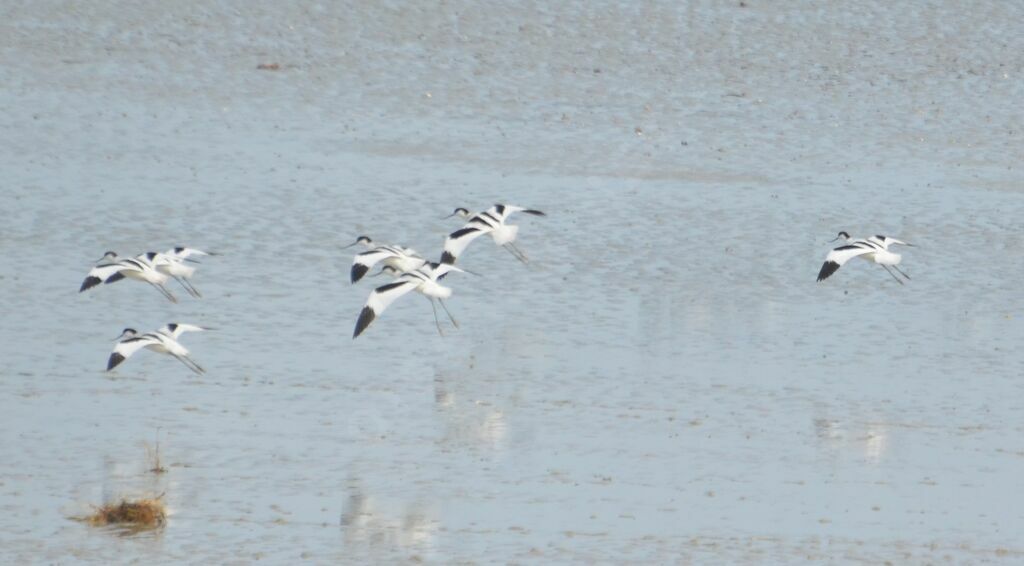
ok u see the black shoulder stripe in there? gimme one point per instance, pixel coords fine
(462, 232)
(448, 258)
(389, 286)
(488, 216)
(849, 247)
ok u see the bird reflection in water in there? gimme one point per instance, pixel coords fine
(386, 526)
(869, 438)
(468, 422)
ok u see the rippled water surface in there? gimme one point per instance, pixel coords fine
(664, 381)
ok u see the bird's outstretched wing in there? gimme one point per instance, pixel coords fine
(125, 348)
(457, 241)
(381, 298)
(503, 211)
(176, 329)
(183, 253)
(364, 262)
(108, 272)
(839, 256)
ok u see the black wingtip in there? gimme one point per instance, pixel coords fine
(828, 268)
(534, 212)
(90, 282)
(365, 318)
(447, 258)
(114, 360)
(358, 271)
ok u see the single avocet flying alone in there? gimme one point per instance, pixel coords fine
(875, 248)
(401, 258)
(111, 269)
(490, 221)
(423, 280)
(130, 341)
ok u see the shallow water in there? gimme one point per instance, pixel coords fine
(664, 381)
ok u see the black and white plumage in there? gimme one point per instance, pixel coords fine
(111, 269)
(874, 249)
(174, 266)
(176, 329)
(423, 280)
(398, 257)
(160, 341)
(185, 253)
(492, 221)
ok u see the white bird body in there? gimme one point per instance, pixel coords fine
(492, 221)
(173, 265)
(874, 249)
(423, 280)
(131, 341)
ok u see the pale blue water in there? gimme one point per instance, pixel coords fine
(664, 381)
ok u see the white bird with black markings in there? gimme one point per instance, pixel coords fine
(423, 280)
(176, 329)
(174, 266)
(185, 254)
(111, 269)
(874, 249)
(162, 341)
(492, 221)
(399, 257)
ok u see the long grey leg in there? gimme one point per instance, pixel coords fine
(193, 362)
(165, 292)
(452, 318)
(513, 252)
(520, 252)
(901, 272)
(184, 285)
(189, 364)
(898, 280)
(436, 321)
(192, 289)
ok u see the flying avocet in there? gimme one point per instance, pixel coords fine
(174, 266)
(423, 280)
(875, 248)
(162, 341)
(400, 258)
(490, 221)
(110, 269)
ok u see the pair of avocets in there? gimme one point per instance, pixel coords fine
(153, 268)
(413, 272)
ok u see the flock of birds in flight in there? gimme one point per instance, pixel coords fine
(410, 270)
